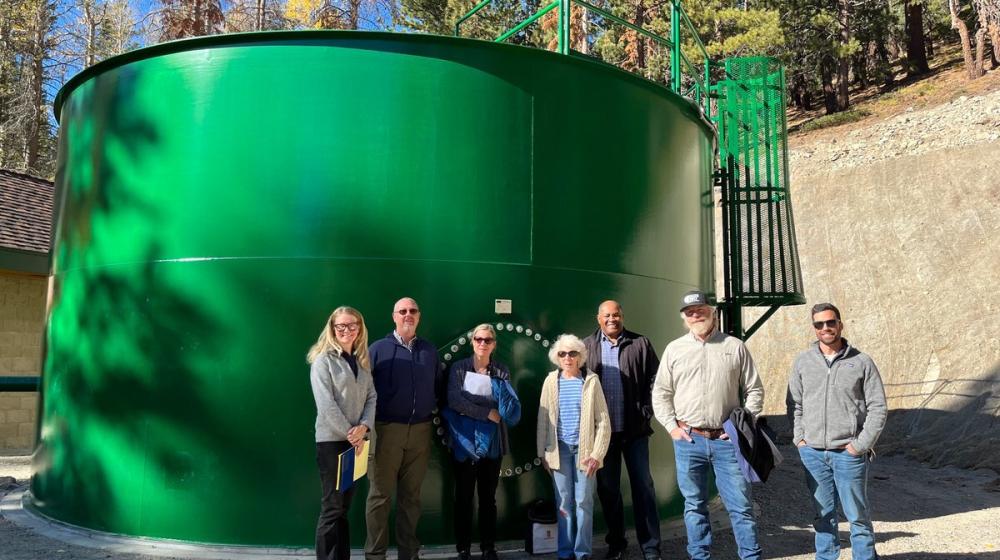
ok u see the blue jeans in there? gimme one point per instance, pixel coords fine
(647, 522)
(575, 502)
(694, 460)
(837, 477)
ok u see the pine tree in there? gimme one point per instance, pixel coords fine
(190, 18)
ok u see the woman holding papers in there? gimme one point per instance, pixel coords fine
(574, 431)
(345, 410)
(481, 405)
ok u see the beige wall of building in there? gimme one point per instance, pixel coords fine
(22, 320)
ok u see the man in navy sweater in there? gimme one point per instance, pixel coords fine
(408, 381)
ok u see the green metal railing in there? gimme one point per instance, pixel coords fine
(761, 262)
(747, 106)
(685, 77)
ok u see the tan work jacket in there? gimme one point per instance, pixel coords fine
(700, 383)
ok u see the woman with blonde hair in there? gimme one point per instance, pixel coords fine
(574, 430)
(345, 412)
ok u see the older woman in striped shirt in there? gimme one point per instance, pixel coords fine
(573, 433)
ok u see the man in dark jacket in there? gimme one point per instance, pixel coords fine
(627, 364)
(838, 408)
(408, 382)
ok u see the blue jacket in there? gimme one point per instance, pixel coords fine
(471, 432)
(408, 384)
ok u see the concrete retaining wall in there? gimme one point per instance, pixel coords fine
(909, 248)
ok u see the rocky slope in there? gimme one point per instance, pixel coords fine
(966, 121)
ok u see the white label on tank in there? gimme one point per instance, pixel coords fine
(502, 307)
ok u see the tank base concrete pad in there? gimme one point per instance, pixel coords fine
(13, 508)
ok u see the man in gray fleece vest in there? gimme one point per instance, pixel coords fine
(837, 404)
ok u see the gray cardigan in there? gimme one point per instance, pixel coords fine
(342, 401)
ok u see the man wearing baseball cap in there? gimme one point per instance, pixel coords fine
(699, 382)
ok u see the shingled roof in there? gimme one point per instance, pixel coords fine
(25, 212)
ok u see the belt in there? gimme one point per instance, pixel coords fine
(710, 433)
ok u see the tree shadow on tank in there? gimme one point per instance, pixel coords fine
(131, 439)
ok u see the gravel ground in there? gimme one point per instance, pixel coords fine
(920, 514)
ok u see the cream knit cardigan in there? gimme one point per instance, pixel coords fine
(595, 424)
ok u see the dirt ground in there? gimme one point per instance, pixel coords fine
(921, 513)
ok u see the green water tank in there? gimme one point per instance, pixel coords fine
(218, 197)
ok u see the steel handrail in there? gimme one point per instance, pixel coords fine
(470, 13)
(604, 13)
(694, 33)
(526, 22)
(679, 22)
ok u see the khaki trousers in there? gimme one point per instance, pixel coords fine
(398, 466)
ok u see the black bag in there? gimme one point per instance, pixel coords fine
(541, 532)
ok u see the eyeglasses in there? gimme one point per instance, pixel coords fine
(828, 323)
(696, 310)
(345, 327)
(411, 311)
(570, 353)
(486, 341)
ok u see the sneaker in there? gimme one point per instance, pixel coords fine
(490, 555)
(464, 555)
(615, 554)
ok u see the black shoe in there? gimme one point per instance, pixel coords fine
(464, 555)
(490, 555)
(615, 554)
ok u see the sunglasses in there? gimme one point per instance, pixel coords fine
(345, 327)
(571, 354)
(411, 311)
(487, 341)
(696, 310)
(828, 323)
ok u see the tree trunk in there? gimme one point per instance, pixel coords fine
(861, 69)
(258, 23)
(994, 29)
(354, 14)
(36, 126)
(93, 24)
(916, 51)
(5, 33)
(984, 28)
(827, 70)
(796, 93)
(957, 24)
(844, 67)
(640, 50)
(882, 54)
(980, 51)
